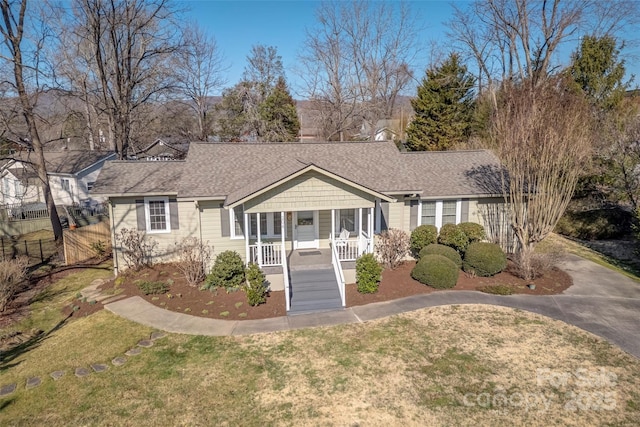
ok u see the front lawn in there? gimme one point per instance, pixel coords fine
(452, 365)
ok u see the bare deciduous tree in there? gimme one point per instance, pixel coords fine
(12, 29)
(518, 39)
(544, 140)
(131, 44)
(357, 61)
(199, 67)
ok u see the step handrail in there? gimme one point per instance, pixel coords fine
(337, 269)
(285, 275)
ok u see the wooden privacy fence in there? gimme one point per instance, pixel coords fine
(82, 243)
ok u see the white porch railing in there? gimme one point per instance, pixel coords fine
(272, 254)
(337, 269)
(350, 249)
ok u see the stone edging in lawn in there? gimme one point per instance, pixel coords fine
(81, 371)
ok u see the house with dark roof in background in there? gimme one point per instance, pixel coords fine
(160, 149)
(288, 206)
(71, 177)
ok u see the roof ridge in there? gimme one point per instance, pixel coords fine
(289, 143)
(477, 150)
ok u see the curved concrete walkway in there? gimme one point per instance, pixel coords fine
(600, 301)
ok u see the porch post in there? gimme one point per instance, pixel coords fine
(333, 225)
(259, 235)
(360, 248)
(246, 238)
(370, 232)
(283, 228)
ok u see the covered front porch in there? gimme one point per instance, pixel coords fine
(350, 231)
(309, 209)
(317, 272)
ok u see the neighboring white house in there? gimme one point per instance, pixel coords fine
(71, 177)
(386, 130)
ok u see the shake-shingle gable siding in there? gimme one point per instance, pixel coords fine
(310, 191)
(269, 178)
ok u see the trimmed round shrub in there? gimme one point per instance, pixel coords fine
(484, 259)
(368, 274)
(446, 251)
(227, 272)
(452, 235)
(256, 287)
(436, 271)
(474, 232)
(422, 236)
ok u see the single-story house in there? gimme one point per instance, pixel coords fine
(71, 176)
(276, 203)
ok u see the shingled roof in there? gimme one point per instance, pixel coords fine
(66, 161)
(120, 177)
(237, 170)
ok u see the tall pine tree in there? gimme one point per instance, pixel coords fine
(443, 108)
(598, 71)
(279, 115)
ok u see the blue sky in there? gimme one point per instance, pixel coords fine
(238, 25)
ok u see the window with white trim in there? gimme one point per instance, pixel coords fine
(346, 219)
(449, 211)
(439, 212)
(270, 225)
(65, 183)
(236, 219)
(428, 216)
(17, 188)
(158, 218)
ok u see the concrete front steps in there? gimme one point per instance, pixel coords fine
(314, 290)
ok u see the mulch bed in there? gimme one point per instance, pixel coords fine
(233, 306)
(190, 300)
(398, 284)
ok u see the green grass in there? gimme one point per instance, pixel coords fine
(45, 308)
(10, 247)
(411, 369)
(587, 253)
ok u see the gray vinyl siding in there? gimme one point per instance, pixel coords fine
(211, 214)
(127, 212)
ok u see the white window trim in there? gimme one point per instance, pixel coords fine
(356, 220)
(439, 204)
(271, 230)
(62, 182)
(167, 214)
(232, 225)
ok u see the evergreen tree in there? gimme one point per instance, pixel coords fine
(443, 108)
(279, 115)
(597, 71)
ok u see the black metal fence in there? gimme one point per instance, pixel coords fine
(38, 251)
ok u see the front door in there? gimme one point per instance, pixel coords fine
(306, 224)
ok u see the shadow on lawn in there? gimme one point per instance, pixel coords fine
(7, 357)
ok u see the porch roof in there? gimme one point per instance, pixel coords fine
(291, 170)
